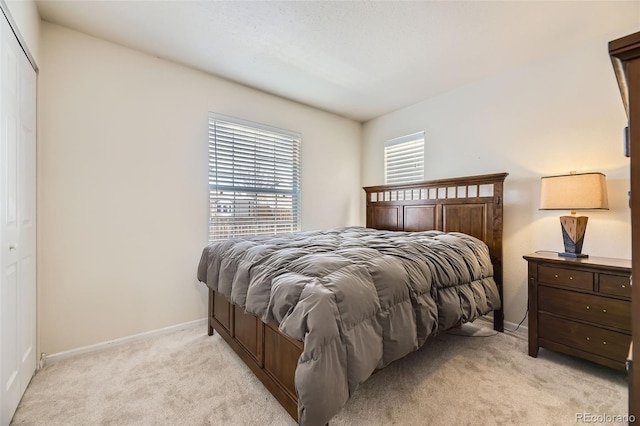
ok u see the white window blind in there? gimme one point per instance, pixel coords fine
(404, 159)
(254, 179)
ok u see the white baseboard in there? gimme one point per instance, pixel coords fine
(523, 330)
(178, 327)
(121, 341)
(508, 325)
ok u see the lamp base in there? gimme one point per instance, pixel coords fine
(573, 230)
(574, 255)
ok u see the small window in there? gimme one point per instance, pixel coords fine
(254, 179)
(404, 159)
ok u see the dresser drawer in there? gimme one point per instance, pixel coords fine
(605, 343)
(597, 309)
(565, 277)
(617, 285)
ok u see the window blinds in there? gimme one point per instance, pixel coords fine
(404, 159)
(254, 179)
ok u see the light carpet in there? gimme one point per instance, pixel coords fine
(189, 378)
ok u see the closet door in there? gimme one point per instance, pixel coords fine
(17, 222)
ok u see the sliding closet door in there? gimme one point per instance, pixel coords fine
(17, 222)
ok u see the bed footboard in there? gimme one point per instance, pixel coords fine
(272, 356)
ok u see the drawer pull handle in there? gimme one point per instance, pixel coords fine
(604, 343)
(624, 286)
(570, 278)
(588, 308)
(588, 338)
(604, 310)
(556, 275)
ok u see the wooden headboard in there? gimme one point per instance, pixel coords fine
(469, 204)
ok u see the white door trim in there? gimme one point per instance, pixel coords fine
(23, 44)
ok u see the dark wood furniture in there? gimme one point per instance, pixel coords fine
(472, 205)
(580, 306)
(271, 355)
(625, 56)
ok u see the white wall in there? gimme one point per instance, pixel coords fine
(122, 184)
(25, 14)
(557, 115)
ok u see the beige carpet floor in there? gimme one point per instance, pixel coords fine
(189, 378)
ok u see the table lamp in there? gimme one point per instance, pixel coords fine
(575, 191)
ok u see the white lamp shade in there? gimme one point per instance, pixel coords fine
(584, 191)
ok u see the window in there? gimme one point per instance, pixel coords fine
(404, 159)
(254, 179)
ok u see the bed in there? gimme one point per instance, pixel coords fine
(333, 289)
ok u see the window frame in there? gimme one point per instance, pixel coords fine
(247, 161)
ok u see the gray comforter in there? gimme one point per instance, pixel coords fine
(358, 298)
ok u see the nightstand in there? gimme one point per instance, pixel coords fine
(581, 307)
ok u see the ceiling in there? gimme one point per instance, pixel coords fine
(358, 59)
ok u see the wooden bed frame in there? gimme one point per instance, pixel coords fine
(472, 205)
